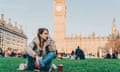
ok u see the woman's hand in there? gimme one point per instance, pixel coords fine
(37, 59)
(37, 62)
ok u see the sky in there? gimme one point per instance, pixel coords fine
(83, 16)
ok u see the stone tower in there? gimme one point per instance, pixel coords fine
(59, 24)
(115, 32)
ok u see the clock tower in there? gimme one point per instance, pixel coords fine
(115, 32)
(60, 24)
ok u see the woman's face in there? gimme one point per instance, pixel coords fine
(44, 35)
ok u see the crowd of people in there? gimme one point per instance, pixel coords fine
(79, 53)
(113, 56)
(11, 53)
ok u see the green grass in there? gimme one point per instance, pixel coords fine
(88, 65)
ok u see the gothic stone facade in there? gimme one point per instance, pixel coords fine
(89, 44)
(11, 37)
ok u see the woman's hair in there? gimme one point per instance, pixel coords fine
(40, 31)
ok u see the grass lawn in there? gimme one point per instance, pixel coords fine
(88, 65)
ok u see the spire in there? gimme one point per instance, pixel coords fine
(113, 19)
(21, 30)
(20, 26)
(9, 21)
(2, 19)
(15, 27)
(15, 24)
(2, 16)
(93, 34)
(114, 23)
(115, 31)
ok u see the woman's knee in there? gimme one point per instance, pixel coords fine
(53, 54)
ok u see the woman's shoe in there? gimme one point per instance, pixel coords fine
(22, 66)
(52, 67)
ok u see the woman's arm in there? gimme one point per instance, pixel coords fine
(30, 51)
(52, 46)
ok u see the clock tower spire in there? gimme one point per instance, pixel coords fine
(115, 32)
(60, 24)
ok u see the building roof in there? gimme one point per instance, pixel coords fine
(11, 28)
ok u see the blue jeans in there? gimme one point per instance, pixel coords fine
(44, 63)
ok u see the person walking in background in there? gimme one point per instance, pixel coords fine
(1, 53)
(108, 56)
(72, 56)
(41, 51)
(115, 54)
(79, 53)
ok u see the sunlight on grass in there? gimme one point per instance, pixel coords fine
(88, 65)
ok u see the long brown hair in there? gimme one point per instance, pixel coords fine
(40, 31)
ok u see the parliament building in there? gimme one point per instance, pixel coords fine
(91, 44)
(12, 37)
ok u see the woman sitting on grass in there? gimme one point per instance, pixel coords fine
(41, 51)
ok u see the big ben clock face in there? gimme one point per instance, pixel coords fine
(58, 8)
